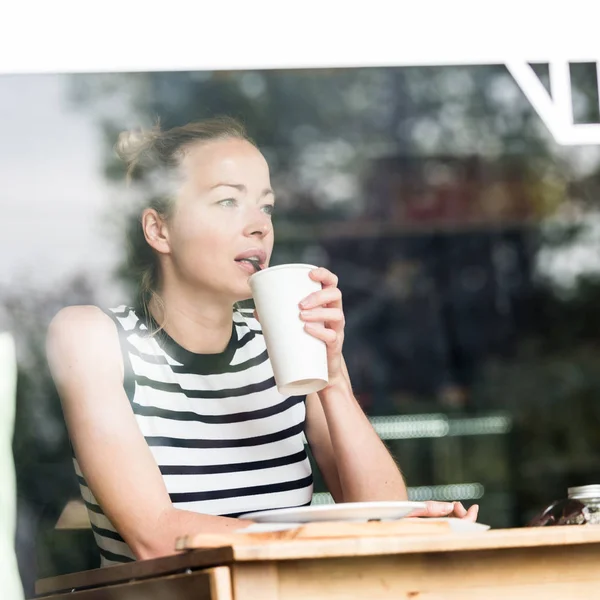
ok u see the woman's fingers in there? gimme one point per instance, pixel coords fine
(448, 509)
(472, 513)
(434, 509)
(459, 511)
(332, 316)
(323, 275)
(329, 336)
(330, 295)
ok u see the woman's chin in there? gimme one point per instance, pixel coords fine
(241, 295)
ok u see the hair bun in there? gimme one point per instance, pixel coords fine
(131, 145)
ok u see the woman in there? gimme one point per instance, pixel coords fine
(171, 406)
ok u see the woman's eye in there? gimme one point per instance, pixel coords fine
(268, 208)
(227, 202)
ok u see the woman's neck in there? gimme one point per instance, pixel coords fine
(197, 322)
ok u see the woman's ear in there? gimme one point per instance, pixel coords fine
(155, 231)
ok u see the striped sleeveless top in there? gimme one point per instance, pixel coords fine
(225, 440)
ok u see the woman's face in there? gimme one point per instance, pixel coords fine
(222, 215)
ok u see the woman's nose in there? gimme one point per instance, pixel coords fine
(259, 226)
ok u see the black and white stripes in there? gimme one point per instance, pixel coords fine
(225, 440)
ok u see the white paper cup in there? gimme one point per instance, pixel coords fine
(299, 359)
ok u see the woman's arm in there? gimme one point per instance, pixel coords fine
(348, 450)
(86, 365)
(354, 461)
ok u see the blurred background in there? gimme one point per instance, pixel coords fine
(467, 243)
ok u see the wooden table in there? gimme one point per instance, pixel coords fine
(539, 563)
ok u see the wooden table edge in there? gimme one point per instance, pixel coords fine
(526, 537)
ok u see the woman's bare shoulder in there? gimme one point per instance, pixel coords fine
(74, 317)
(84, 331)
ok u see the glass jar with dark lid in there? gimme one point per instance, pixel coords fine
(581, 507)
(589, 496)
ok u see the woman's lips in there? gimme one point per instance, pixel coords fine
(247, 266)
(256, 254)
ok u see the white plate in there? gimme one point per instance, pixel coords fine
(344, 511)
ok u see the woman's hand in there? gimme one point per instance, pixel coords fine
(447, 509)
(325, 306)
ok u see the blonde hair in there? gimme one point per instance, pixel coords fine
(152, 157)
